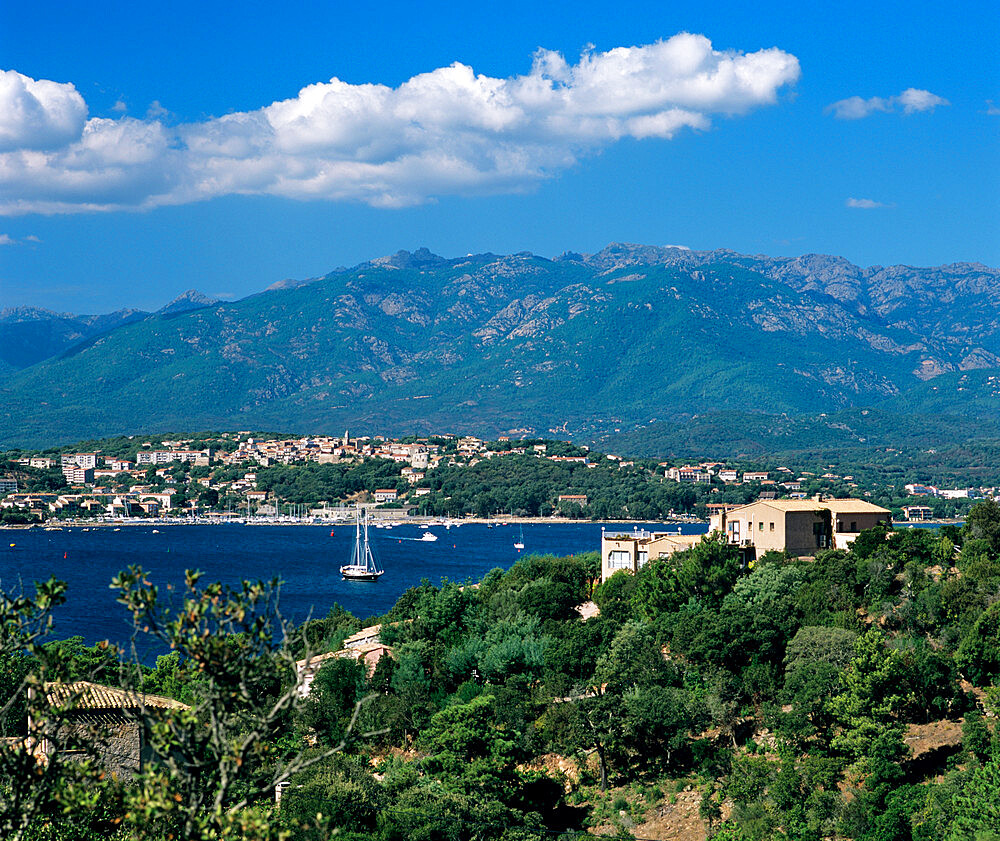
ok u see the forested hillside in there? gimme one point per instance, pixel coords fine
(851, 696)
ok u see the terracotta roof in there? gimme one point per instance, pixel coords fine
(363, 634)
(315, 661)
(83, 694)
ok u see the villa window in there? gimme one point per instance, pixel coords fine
(619, 559)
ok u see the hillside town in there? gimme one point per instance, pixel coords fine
(232, 476)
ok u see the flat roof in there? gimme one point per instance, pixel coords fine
(836, 506)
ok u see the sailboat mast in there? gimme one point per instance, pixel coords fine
(368, 552)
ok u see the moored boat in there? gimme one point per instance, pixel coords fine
(520, 540)
(362, 566)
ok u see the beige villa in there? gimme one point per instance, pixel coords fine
(633, 550)
(799, 526)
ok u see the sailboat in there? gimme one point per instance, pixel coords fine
(520, 540)
(362, 566)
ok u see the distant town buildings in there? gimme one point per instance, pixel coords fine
(160, 477)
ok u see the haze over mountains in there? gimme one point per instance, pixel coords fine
(648, 343)
(31, 334)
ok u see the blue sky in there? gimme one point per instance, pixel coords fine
(150, 148)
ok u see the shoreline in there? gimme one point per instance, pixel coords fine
(385, 522)
(378, 522)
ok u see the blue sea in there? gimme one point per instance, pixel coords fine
(306, 558)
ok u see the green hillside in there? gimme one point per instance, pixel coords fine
(583, 346)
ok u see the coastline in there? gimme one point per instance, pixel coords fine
(378, 522)
(382, 522)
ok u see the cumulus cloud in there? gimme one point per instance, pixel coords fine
(909, 101)
(38, 114)
(447, 131)
(7, 239)
(866, 204)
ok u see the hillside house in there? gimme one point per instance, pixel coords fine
(76, 475)
(633, 550)
(573, 499)
(115, 721)
(798, 526)
(79, 460)
(385, 495)
(918, 512)
(363, 646)
(688, 474)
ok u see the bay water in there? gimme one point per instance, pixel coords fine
(306, 559)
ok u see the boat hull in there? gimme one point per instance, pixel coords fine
(361, 574)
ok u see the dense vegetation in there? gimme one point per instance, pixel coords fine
(787, 698)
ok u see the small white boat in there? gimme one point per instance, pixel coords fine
(520, 540)
(428, 536)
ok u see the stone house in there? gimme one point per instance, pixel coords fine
(115, 722)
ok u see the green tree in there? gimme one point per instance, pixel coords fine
(977, 806)
(336, 689)
(979, 652)
(983, 523)
(217, 761)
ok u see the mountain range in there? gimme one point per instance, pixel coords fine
(637, 341)
(32, 334)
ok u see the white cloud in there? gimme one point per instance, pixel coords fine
(910, 100)
(854, 107)
(155, 111)
(992, 108)
(866, 204)
(7, 239)
(38, 114)
(448, 131)
(914, 99)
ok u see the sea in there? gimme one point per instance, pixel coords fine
(305, 558)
